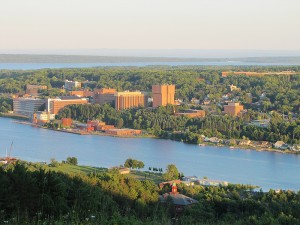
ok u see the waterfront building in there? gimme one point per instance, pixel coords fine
(192, 113)
(123, 132)
(53, 105)
(128, 99)
(233, 108)
(27, 106)
(66, 122)
(70, 85)
(42, 117)
(163, 95)
(104, 96)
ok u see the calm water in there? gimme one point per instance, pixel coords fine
(266, 169)
(35, 66)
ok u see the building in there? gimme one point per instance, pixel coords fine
(34, 89)
(179, 201)
(264, 123)
(82, 93)
(104, 96)
(27, 106)
(234, 88)
(123, 132)
(71, 85)
(66, 122)
(163, 95)
(279, 144)
(208, 182)
(53, 105)
(128, 99)
(233, 108)
(42, 117)
(192, 113)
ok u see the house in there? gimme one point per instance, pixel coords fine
(279, 144)
(245, 142)
(190, 178)
(179, 201)
(212, 140)
(208, 182)
(121, 170)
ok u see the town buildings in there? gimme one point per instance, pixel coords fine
(127, 99)
(163, 95)
(71, 85)
(233, 108)
(53, 105)
(104, 96)
(27, 106)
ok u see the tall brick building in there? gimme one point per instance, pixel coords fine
(104, 95)
(233, 108)
(53, 105)
(163, 95)
(126, 100)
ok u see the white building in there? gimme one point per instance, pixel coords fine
(27, 106)
(70, 85)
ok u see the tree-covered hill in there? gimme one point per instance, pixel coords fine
(34, 194)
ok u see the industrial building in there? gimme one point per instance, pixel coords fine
(27, 106)
(163, 95)
(127, 99)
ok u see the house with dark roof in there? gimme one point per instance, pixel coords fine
(179, 201)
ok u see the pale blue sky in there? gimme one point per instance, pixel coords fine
(150, 24)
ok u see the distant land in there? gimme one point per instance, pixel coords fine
(37, 58)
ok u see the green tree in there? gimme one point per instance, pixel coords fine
(72, 161)
(172, 172)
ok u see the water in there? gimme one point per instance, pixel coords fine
(35, 66)
(266, 169)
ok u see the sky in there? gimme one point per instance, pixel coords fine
(86, 25)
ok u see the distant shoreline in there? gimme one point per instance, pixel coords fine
(39, 58)
(235, 147)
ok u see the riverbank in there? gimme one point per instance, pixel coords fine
(81, 132)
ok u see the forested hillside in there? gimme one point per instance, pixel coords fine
(33, 194)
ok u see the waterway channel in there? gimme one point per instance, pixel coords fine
(265, 169)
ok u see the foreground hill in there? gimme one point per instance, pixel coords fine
(35, 194)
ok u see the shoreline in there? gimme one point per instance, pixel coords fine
(78, 132)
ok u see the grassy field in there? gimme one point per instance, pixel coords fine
(72, 169)
(86, 170)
